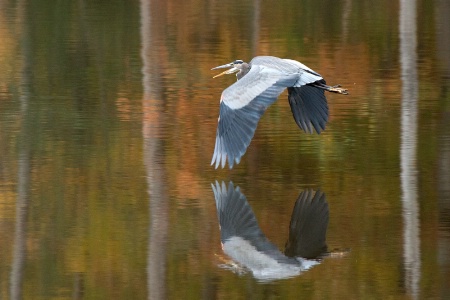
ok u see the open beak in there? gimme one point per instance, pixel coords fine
(223, 66)
(230, 71)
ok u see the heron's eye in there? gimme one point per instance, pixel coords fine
(238, 62)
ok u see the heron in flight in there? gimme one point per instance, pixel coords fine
(258, 85)
(250, 249)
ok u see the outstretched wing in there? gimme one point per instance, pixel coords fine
(241, 106)
(239, 230)
(236, 218)
(308, 228)
(243, 103)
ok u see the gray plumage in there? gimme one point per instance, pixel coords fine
(259, 84)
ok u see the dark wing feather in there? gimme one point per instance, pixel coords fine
(308, 228)
(309, 107)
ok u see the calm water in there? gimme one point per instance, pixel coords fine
(108, 115)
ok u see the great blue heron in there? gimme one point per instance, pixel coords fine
(259, 83)
(248, 247)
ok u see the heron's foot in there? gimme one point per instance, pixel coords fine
(337, 89)
(231, 265)
(224, 260)
(339, 252)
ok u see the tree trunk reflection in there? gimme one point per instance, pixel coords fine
(151, 12)
(408, 147)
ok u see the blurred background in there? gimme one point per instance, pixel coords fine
(108, 115)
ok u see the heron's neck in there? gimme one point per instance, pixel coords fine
(244, 70)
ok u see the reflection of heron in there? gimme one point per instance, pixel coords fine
(259, 84)
(245, 243)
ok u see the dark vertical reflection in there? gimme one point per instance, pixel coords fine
(408, 61)
(443, 50)
(78, 286)
(152, 15)
(24, 153)
(255, 27)
(347, 9)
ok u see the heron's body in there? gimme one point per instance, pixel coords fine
(259, 84)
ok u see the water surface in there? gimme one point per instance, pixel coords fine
(108, 115)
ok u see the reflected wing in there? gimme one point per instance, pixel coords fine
(238, 225)
(236, 217)
(241, 106)
(308, 228)
(309, 107)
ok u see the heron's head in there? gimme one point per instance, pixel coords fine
(234, 66)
